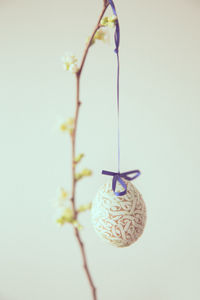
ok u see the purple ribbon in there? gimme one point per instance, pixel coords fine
(118, 177)
(117, 29)
(117, 40)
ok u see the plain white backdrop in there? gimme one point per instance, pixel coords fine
(159, 94)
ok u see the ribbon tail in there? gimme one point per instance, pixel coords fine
(104, 172)
(123, 184)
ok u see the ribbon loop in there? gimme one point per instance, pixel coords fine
(117, 29)
(118, 177)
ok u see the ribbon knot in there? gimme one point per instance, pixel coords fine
(118, 177)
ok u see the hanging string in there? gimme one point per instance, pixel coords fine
(118, 176)
(117, 41)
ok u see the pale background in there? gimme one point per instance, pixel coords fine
(160, 62)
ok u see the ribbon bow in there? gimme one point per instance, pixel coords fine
(118, 177)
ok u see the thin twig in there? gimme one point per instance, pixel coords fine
(90, 40)
(73, 140)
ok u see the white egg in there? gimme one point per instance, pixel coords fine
(120, 220)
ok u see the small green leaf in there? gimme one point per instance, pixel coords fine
(84, 207)
(77, 225)
(78, 158)
(66, 217)
(84, 173)
(109, 21)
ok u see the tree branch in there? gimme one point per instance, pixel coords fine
(73, 140)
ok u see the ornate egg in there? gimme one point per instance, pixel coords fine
(120, 220)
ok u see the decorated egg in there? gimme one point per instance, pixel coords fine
(119, 220)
